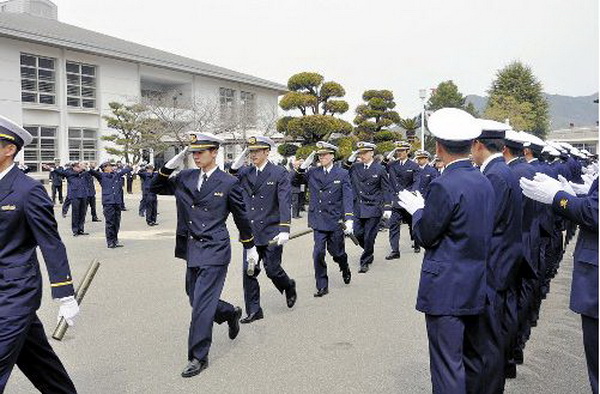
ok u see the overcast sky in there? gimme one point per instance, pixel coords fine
(394, 44)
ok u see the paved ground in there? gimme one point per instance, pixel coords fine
(362, 338)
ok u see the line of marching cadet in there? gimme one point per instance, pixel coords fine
(111, 177)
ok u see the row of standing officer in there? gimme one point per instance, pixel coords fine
(482, 271)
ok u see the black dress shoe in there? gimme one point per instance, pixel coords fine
(118, 245)
(194, 367)
(363, 269)
(392, 256)
(518, 356)
(234, 323)
(96, 220)
(321, 292)
(417, 248)
(112, 246)
(76, 234)
(290, 294)
(346, 275)
(83, 233)
(252, 317)
(510, 371)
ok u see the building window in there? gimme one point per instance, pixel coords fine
(82, 144)
(42, 148)
(248, 104)
(590, 147)
(38, 79)
(81, 85)
(227, 104)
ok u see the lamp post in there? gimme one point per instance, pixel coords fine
(423, 96)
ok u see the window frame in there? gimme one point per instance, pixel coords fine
(78, 94)
(39, 96)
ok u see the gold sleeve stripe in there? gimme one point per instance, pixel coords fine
(284, 224)
(349, 214)
(59, 284)
(162, 173)
(247, 240)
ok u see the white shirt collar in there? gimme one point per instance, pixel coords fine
(511, 160)
(532, 160)
(328, 169)
(489, 159)
(3, 173)
(456, 161)
(367, 165)
(263, 166)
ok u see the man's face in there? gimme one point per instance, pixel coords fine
(402, 154)
(204, 158)
(366, 156)
(422, 161)
(7, 153)
(259, 156)
(325, 159)
(77, 167)
(108, 168)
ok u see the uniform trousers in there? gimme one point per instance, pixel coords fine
(151, 209)
(455, 353)
(296, 205)
(57, 190)
(91, 200)
(270, 256)
(494, 344)
(365, 230)
(398, 215)
(78, 214)
(590, 344)
(23, 342)
(112, 218)
(510, 322)
(66, 205)
(333, 242)
(142, 207)
(204, 286)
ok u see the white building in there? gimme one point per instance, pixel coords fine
(58, 79)
(579, 137)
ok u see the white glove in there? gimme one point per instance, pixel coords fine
(588, 179)
(68, 309)
(308, 161)
(352, 157)
(282, 238)
(239, 161)
(542, 190)
(348, 227)
(566, 185)
(252, 259)
(387, 215)
(390, 155)
(411, 202)
(580, 189)
(177, 160)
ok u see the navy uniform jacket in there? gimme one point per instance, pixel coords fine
(563, 169)
(330, 197)
(372, 190)
(403, 177)
(530, 217)
(546, 218)
(26, 222)
(268, 200)
(584, 212)
(146, 178)
(89, 184)
(455, 227)
(55, 177)
(426, 175)
(204, 214)
(575, 168)
(506, 247)
(76, 182)
(112, 188)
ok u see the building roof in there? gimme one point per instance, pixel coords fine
(54, 33)
(575, 134)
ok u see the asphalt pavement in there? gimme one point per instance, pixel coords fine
(365, 337)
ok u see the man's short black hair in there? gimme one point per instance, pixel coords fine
(493, 145)
(462, 149)
(516, 152)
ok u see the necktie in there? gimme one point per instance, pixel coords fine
(204, 179)
(366, 167)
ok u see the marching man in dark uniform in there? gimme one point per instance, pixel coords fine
(582, 210)
(149, 199)
(205, 198)
(110, 181)
(267, 195)
(27, 222)
(77, 192)
(427, 172)
(404, 175)
(372, 199)
(56, 181)
(454, 224)
(330, 203)
(91, 192)
(499, 328)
